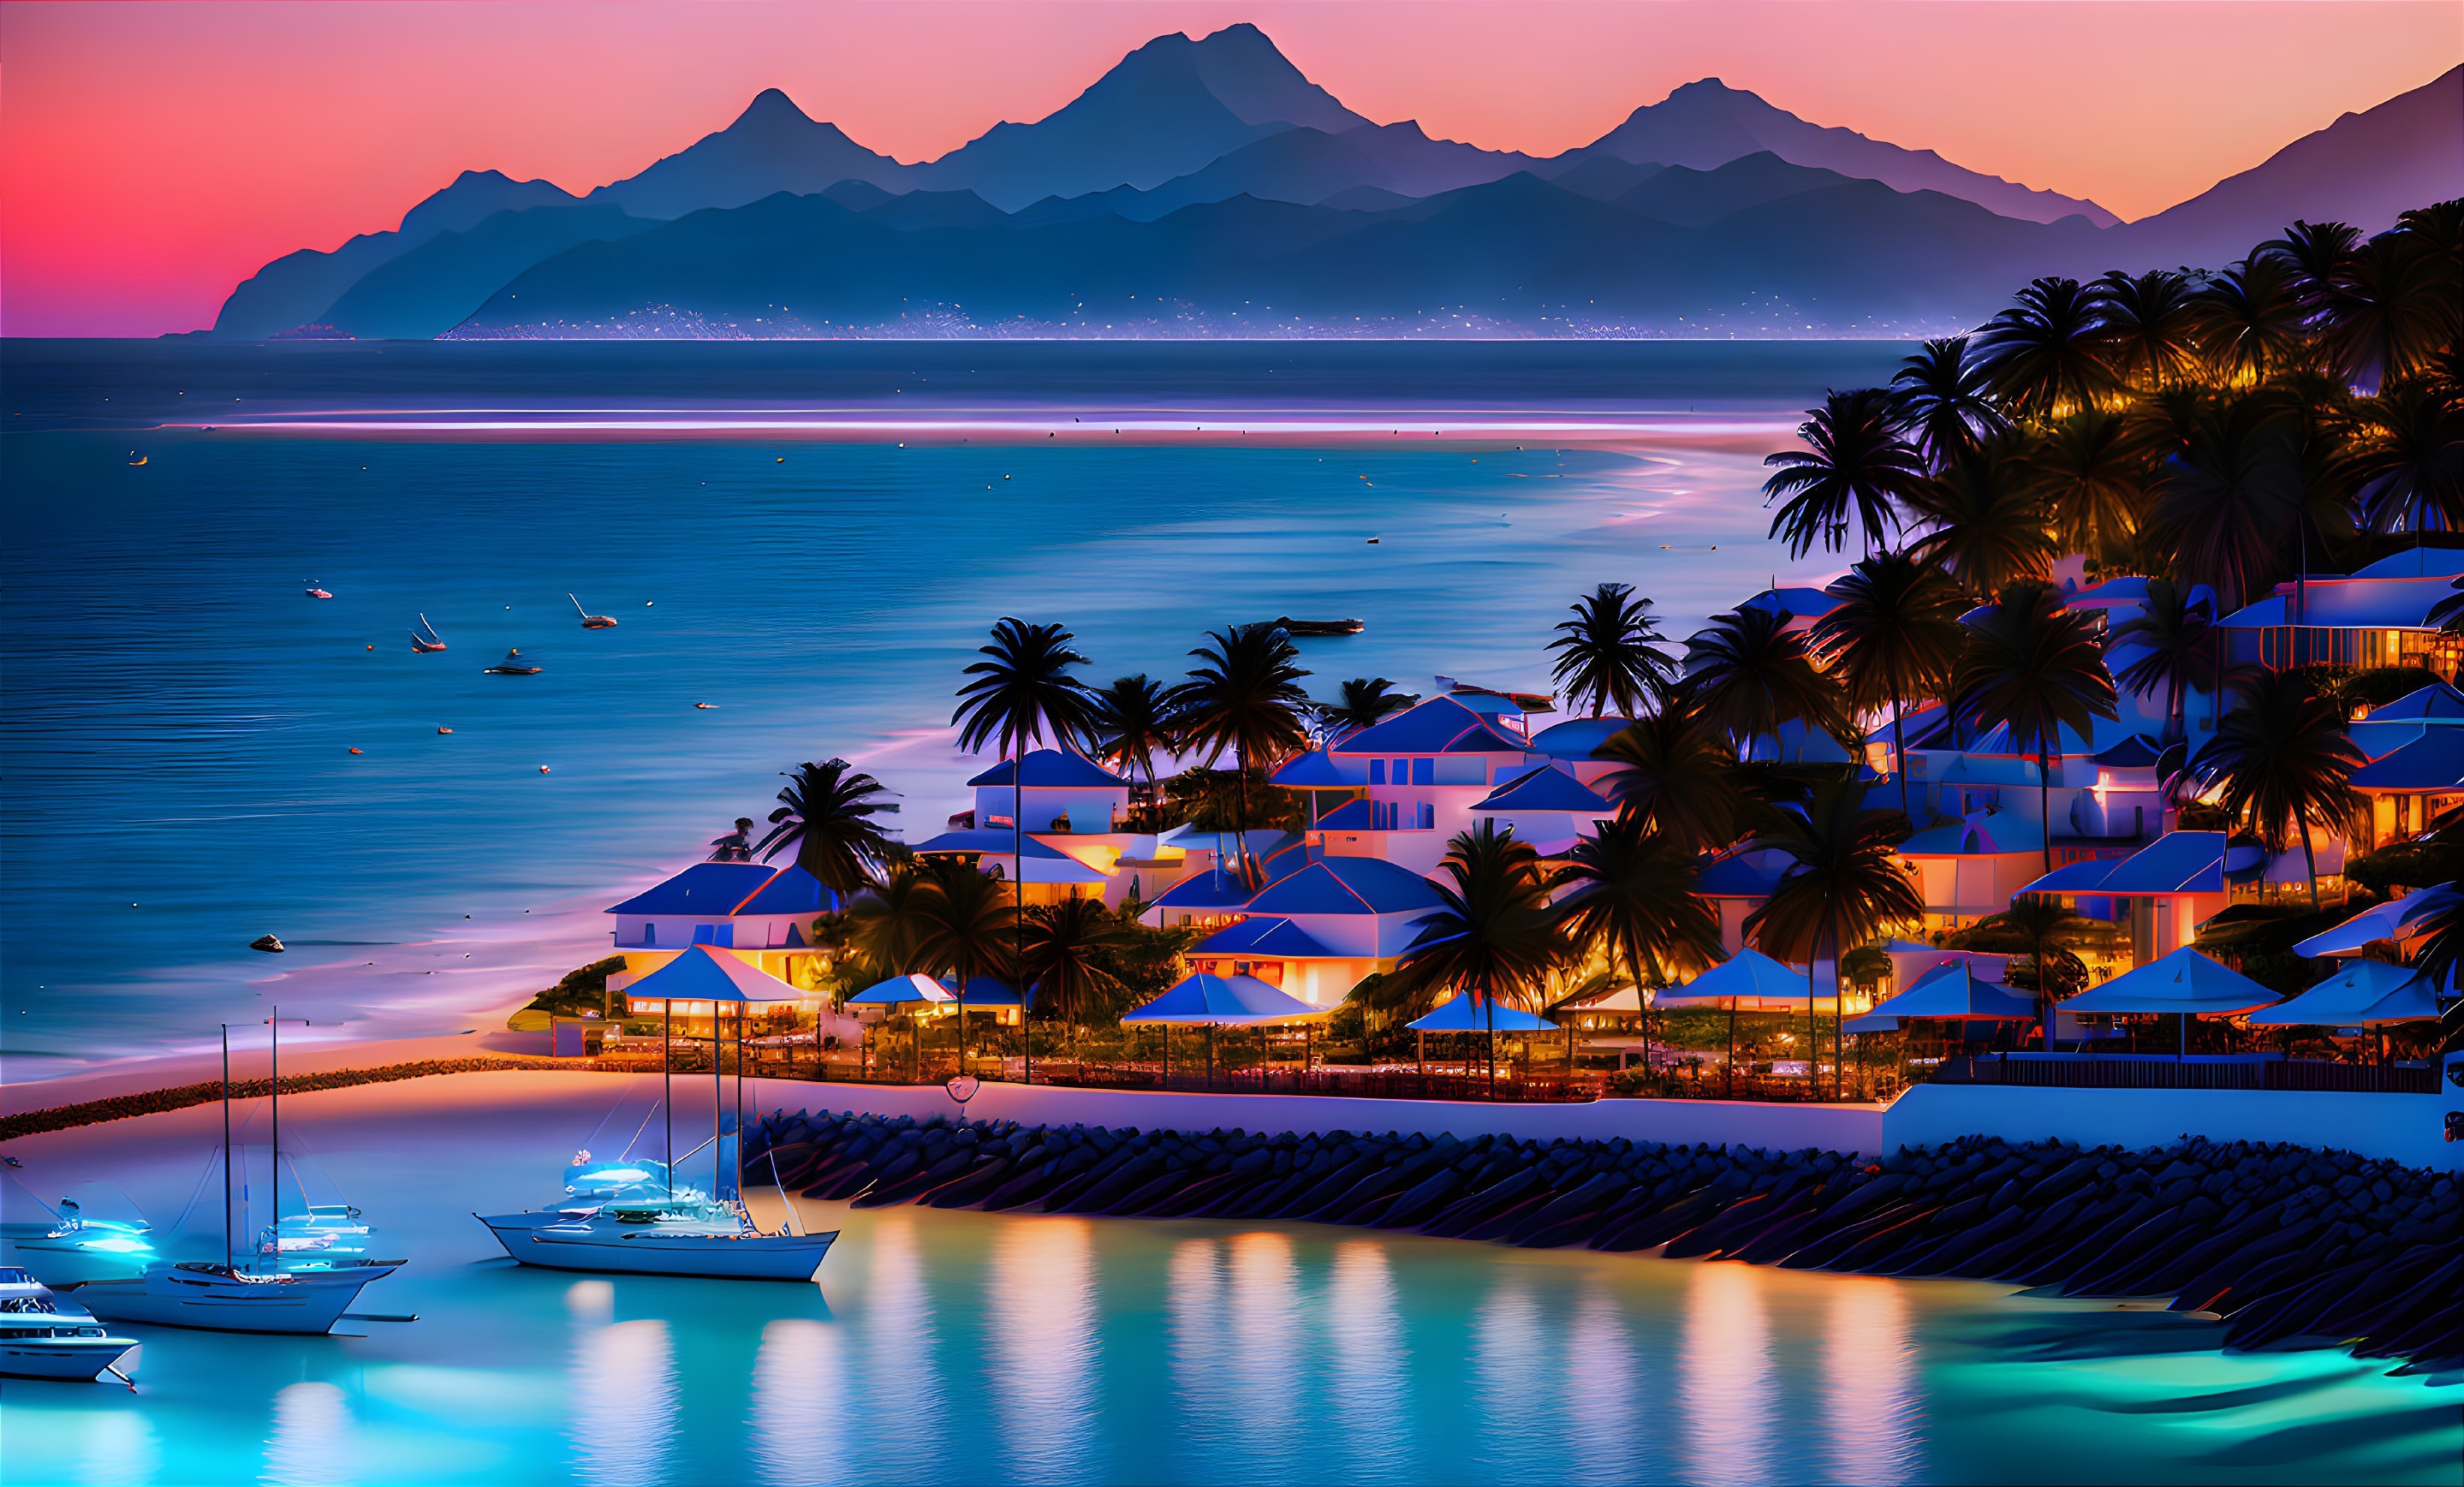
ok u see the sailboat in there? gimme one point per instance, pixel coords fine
(424, 638)
(649, 1225)
(307, 1297)
(589, 621)
(513, 665)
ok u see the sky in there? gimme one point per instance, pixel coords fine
(152, 156)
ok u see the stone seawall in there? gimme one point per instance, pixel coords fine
(2288, 1246)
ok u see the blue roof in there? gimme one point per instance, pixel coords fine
(991, 840)
(1546, 788)
(2433, 761)
(1441, 725)
(2417, 562)
(1802, 603)
(2346, 605)
(1314, 770)
(1233, 1000)
(2081, 877)
(1735, 876)
(1349, 815)
(1208, 890)
(711, 889)
(793, 891)
(1051, 767)
(1265, 938)
(1988, 836)
(1464, 1013)
(1576, 738)
(2437, 702)
(700, 975)
(2180, 862)
(1348, 886)
(2136, 752)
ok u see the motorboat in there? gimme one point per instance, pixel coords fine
(306, 1296)
(313, 591)
(589, 621)
(45, 1336)
(77, 1249)
(1293, 626)
(424, 638)
(513, 665)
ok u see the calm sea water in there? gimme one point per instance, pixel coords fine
(181, 717)
(941, 1347)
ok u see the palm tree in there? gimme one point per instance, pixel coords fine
(1495, 935)
(1944, 402)
(1024, 693)
(2153, 326)
(1065, 960)
(966, 927)
(1243, 695)
(1746, 673)
(1629, 895)
(2176, 630)
(1607, 655)
(2037, 925)
(1893, 636)
(1987, 524)
(2046, 355)
(1845, 883)
(2036, 667)
(2090, 473)
(2408, 460)
(1859, 466)
(2397, 309)
(2283, 758)
(2250, 320)
(2227, 501)
(1131, 724)
(1677, 778)
(2317, 258)
(1361, 704)
(827, 813)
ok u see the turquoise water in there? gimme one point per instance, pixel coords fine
(175, 750)
(1049, 1350)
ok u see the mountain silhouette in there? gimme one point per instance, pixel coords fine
(2363, 169)
(298, 289)
(772, 146)
(434, 287)
(1710, 124)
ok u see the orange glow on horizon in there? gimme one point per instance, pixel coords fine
(153, 156)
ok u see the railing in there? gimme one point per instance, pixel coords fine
(2151, 1071)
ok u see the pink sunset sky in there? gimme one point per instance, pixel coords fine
(152, 156)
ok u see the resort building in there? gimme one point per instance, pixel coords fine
(761, 915)
(2378, 617)
(1420, 773)
(1316, 931)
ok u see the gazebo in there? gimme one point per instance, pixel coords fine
(699, 976)
(1210, 1001)
(2183, 985)
(900, 992)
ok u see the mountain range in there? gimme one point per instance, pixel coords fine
(1209, 187)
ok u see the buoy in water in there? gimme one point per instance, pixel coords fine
(266, 943)
(355, 750)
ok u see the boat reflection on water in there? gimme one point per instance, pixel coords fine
(799, 1361)
(1726, 1384)
(1872, 1419)
(623, 1423)
(312, 1441)
(1044, 1340)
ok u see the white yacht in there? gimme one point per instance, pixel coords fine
(77, 1249)
(44, 1336)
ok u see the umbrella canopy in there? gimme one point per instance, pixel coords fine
(2414, 1001)
(1954, 991)
(1467, 1013)
(1869, 1023)
(983, 990)
(1223, 1001)
(2184, 982)
(903, 991)
(1622, 998)
(2344, 999)
(699, 976)
(1757, 982)
(2392, 920)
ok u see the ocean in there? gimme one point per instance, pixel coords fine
(809, 538)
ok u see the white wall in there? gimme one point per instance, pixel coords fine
(1849, 1127)
(2407, 1128)
(2400, 1128)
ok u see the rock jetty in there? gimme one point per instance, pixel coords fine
(2290, 1247)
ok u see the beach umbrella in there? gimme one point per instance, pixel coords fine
(1211, 1001)
(2183, 985)
(2348, 997)
(903, 991)
(1749, 978)
(1954, 994)
(1466, 1013)
(2396, 919)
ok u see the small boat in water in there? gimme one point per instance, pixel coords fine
(512, 665)
(424, 638)
(45, 1336)
(77, 1249)
(1293, 626)
(589, 621)
(313, 591)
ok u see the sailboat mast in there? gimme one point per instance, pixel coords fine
(668, 1085)
(273, 1027)
(717, 1107)
(226, 1160)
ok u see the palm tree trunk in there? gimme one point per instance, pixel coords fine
(1488, 1008)
(1729, 1065)
(1899, 747)
(2309, 860)
(2045, 795)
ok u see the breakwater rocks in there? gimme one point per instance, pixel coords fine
(2291, 1247)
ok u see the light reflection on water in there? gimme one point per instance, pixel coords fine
(1003, 1347)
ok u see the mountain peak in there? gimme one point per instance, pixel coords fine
(771, 109)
